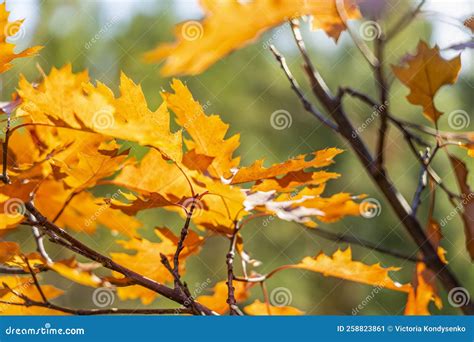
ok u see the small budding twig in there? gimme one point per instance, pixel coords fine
(295, 86)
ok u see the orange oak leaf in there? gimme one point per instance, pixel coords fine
(231, 24)
(147, 260)
(8, 250)
(257, 172)
(11, 29)
(425, 73)
(423, 292)
(12, 202)
(218, 300)
(258, 308)
(467, 202)
(341, 265)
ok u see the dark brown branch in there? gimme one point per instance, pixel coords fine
(398, 203)
(59, 235)
(66, 203)
(28, 302)
(357, 94)
(381, 84)
(181, 286)
(363, 243)
(35, 280)
(4, 176)
(180, 246)
(233, 308)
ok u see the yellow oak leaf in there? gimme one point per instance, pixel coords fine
(258, 308)
(425, 73)
(207, 132)
(11, 29)
(66, 99)
(26, 287)
(76, 274)
(91, 167)
(231, 24)
(341, 265)
(218, 300)
(82, 212)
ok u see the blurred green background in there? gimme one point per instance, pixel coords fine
(245, 89)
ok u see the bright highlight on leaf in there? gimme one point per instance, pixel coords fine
(230, 24)
(10, 29)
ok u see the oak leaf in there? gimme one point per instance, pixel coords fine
(231, 24)
(10, 29)
(147, 260)
(467, 202)
(425, 73)
(218, 300)
(341, 265)
(258, 308)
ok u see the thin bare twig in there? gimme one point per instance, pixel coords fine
(361, 45)
(295, 86)
(60, 236)
(361, 242)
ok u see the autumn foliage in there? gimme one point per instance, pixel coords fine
(64, 136)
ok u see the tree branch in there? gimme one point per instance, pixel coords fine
(60, 236)
(398, 203)
(363, 243)
(233, 308)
